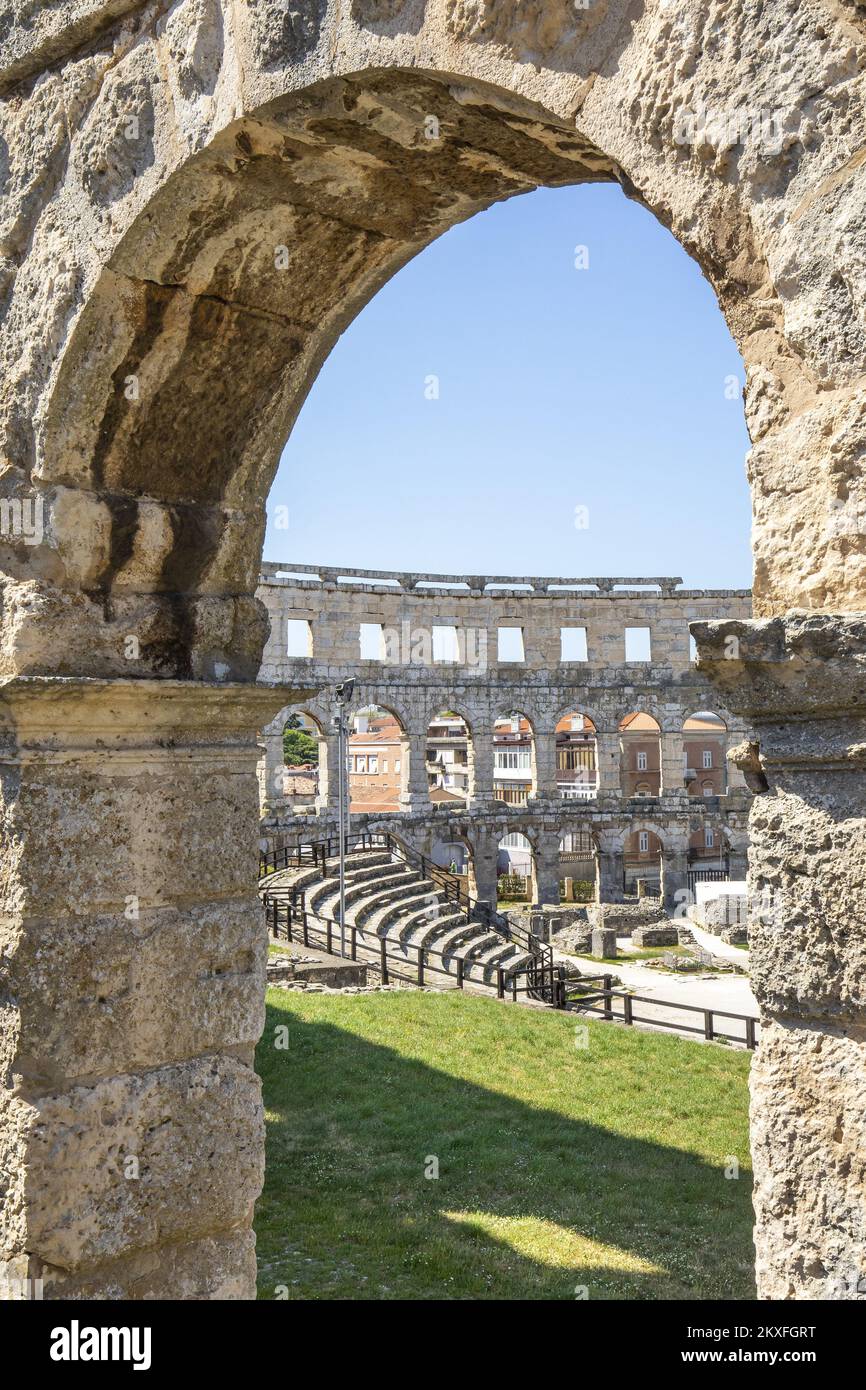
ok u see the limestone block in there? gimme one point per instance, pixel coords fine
(604, 943)
(217, 1267)
(98, 995)
(808, 1124)
(192, 1132)
(655, 936)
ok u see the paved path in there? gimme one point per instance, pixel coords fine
(718, 947)
(730, 992)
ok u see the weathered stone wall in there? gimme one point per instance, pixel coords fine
(197, 198)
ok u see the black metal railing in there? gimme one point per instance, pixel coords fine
(543, 976)
(291, 920)
(708, 876)
(602, 1002)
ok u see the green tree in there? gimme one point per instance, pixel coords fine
(299, 747)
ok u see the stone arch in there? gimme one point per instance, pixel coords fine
(192, 287)
(578, 705)
(157, 259)
(275, 791)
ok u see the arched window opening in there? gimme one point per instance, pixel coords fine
(705, 739)
(640, 755)
(303, 762)
(642, 859)
(578, 866)
(448, 758)
(513, 759)
(376, 755)
(455, 856)
(708, 849)
(576, 757)
(514, 869)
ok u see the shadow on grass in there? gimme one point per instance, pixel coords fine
(529, 1203)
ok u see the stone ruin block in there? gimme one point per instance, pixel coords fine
(604, 943)
(655, 936)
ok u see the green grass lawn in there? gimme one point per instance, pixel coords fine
(560, 1166)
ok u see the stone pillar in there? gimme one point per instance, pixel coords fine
(799, 681)
(135, 949)
(738, 860)
(481, 769)
(415, 795)
(672, 762)
(546, 867)
(328, 798)
(675, 877)
(271, 739)
(484, 870)
(544, 746)
(275, 655)
(734, 776)
(607, 752)
(610, 875)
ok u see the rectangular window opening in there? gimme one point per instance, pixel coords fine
(572, 644)
(445, 646)
(638, 646)
(371, 641)
(509, 644)
(299, 637)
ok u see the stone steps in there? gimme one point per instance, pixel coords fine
(389, 899)
(325, 896)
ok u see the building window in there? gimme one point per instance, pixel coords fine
(709, 837)
(643, 841)
(512, 757)
(373, 765)
(708, 757)
(384, 764)
(396, 764)
(642, 789)
(641, 762)
(361, 763)
(708, 789)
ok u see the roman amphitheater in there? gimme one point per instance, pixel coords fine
(198, 198)
(480, 687)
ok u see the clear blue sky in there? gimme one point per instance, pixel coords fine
(601, 388)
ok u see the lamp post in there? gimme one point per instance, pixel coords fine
(344, 695)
